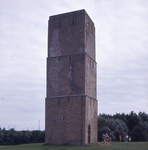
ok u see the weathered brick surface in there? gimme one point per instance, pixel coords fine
(89, 37)
(90, 77)
(68, 131)
(66, 34)
(71, 105)
(91, 119)
(65, 75)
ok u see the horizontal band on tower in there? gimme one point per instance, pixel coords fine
(70, 96)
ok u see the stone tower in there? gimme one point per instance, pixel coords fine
(71, 105)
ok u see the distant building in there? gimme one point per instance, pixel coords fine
(71, 105)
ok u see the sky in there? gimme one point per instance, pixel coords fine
(121, 56)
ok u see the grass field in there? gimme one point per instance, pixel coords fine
(113, 146)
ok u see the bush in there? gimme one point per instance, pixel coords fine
(13, 137)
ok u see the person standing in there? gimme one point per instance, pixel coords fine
(103, 139)
(126, 138)
(120, 138)
(107, 140)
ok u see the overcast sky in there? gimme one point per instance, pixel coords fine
(121, 55)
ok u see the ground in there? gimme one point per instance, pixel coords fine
(113, 146)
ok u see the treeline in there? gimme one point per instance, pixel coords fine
(134, 125)
(13, 137)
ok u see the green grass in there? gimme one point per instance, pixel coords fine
(113, 146)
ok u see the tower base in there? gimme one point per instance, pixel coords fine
(71, 120)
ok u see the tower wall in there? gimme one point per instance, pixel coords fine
(71, 129)
(65, 75)
(91, 119)
(71, 105)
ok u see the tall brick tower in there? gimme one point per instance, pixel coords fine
(71, 105)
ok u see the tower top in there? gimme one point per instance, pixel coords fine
(78, 12)
(71, 33)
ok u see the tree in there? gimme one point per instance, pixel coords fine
(144, 116)
(132, 120)
(13, 137)
(117, 127)
(138, 134)
(113, 127)
(102, 127)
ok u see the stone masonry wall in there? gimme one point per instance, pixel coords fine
(66, 34)
(91, 119)
(90, 77)
(71, 104)
(65, 75)
(89, 37)
(71, 129)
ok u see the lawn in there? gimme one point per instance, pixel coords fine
(114, 146)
